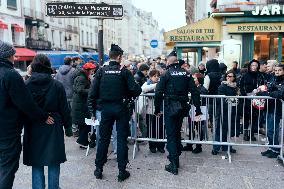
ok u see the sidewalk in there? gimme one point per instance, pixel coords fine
(248, 170)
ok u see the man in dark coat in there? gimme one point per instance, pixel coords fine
(141, 75)
(15, 103)
(174, 87)
(211, 82)
(114, 86)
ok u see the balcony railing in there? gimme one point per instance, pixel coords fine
(38, 44)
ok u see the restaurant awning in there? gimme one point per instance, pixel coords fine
(3, 26)
(207, 30)
(24, 54)
(18, 28)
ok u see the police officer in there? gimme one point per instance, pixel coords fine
(113, 86)
(174, 87)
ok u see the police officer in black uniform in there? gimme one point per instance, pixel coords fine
(113, 86)
(174, 87)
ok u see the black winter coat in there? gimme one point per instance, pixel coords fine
(15, 99)
(251, 81)
(80, 97)
(44, 144)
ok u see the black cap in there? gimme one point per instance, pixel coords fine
(116, 48)
(173, 53)
(181, 62)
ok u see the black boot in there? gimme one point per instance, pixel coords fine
(98, 173)
(187, 147)
(198, 149)
(172, 168)
(123, 175)
(246, 136)
(177, 163)
(253, 137)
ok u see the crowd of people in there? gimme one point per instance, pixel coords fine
(47, 105)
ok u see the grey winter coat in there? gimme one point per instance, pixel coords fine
(65, 76)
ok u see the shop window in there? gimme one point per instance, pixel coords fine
(266, 46)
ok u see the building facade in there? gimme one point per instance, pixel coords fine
(12, 22)
(251, 29)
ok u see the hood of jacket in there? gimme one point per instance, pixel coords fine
(212, 66)
(65, 69)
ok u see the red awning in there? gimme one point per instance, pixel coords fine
(3, 26)
(17, 28)
(24, 54)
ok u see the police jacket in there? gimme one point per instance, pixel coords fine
(176, 83)
(15, 101)
(112, 84)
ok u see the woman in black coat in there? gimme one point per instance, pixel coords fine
(44, 144)
(80, 109)
(227, 88)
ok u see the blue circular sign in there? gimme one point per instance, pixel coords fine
(154, 43)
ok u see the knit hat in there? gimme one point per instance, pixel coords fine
(89, 66)
(6, 50)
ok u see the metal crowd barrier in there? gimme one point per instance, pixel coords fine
(225, 121)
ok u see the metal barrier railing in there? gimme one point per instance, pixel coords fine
(226, 121)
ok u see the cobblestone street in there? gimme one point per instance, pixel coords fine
(247, 170)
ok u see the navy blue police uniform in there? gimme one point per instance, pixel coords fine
(174, 87)
(113, 86)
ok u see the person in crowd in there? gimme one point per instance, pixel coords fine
(44, 145)
(160, 63)
(227, 88)
(65, 76)
(141, 75)
(184, 65)
(29, 73)
(235, 67)
(154, 124)
(76, 61)
(16, 104)
(275, 90)
(197, 125)
(114, 86)
(80, 110)
(270, 70)
(249, 82)
(202, 68)
(174, 87)
(223, 70)
(212, 81)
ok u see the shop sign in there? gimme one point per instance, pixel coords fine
(268, 10)
(202, 31)
(255, 27)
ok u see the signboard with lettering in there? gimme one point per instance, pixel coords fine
(255, 27)
(203, 31)
(268, 10)
(73, 9)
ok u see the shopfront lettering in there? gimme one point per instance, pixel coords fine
(192, 38)
(267, 11)
(259, 28)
